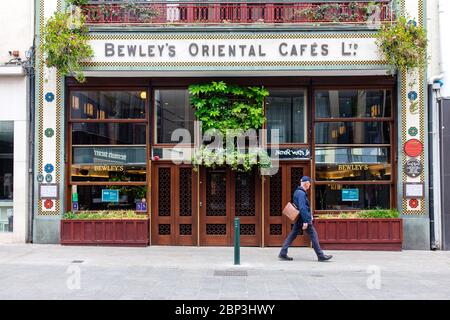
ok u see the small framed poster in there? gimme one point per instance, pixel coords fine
(350, 194)
(413, 190)
(49, 191)
(110, 195)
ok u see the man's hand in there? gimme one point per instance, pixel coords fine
(305, 226)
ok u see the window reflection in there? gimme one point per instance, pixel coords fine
(338, 197)
(353, 104)
(286, 112)
(173, 111)
(102, 105)
(353, 133)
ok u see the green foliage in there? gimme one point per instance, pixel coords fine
(403, 44)
(229, 109)
(237, 160)
(77, 2)
(222, 106)
(365, 214)
(65, 44)
(98, 215)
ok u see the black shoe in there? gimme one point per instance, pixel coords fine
(325, 258)
(285, 258)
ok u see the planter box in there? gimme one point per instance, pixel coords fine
(360, 234)
(127, 232)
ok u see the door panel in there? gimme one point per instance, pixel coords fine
(279, 189)
(226, 195)
(173, 205)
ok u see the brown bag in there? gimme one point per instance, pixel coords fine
(291, 212)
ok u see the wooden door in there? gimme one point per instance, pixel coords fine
(225, 195)
(278, 190)
(174, 205)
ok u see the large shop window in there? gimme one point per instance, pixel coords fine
(286, 112)
(353, 149)
(109, 148)
(6, 175)
(173, 111)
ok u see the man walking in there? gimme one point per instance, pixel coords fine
(304, 222)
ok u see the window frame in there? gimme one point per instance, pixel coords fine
(308, 118)
(393, 142)
(154, 119)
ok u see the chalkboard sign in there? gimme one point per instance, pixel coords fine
(413, 168)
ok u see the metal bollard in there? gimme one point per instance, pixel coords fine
(237, 241)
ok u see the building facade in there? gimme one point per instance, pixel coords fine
(342, 118)
(15, 86)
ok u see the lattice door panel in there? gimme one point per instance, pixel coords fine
(173, 207)
(224, 196)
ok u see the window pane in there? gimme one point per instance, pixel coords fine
(353, 103)
(352, 197)
(353, 133)
(347, 164)
(6, 159)
(173, 111)
(108, 172)
(6, 174)
(90, 197)
(108, 133)
(108, 104)
(286, 112)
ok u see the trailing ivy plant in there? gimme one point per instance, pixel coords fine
(229, 110)
(403, 44)
(65, 43)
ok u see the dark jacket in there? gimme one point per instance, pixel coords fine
(302, 203)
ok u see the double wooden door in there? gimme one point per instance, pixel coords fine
(278, 191)
(225, 195)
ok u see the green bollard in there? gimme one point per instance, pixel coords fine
(237, 241)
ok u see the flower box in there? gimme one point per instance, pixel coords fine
(106, 232)
(360, 234)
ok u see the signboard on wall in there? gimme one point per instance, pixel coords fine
(290, 153)
(226, 48)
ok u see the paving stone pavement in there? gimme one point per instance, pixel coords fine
(31, 271)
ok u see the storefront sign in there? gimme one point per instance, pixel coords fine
(110, 195)
(350, 194)
(107, 155)
(265, 49)
(74, 206)
(49, 191)
(75, 197)
(108, 168)
(413, 190)
(413, 168)
(413, 148)
(353, 167)
(290, 153)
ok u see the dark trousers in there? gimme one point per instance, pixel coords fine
(295, 230)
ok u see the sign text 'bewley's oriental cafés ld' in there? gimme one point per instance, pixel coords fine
(236, 50)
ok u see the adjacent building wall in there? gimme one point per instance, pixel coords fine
(16, 34)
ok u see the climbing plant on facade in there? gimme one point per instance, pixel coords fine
(65, 43)
(229, 111)
(403, 44)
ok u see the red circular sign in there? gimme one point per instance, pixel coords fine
(48, 204)
(413, 148)
(413, 203)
